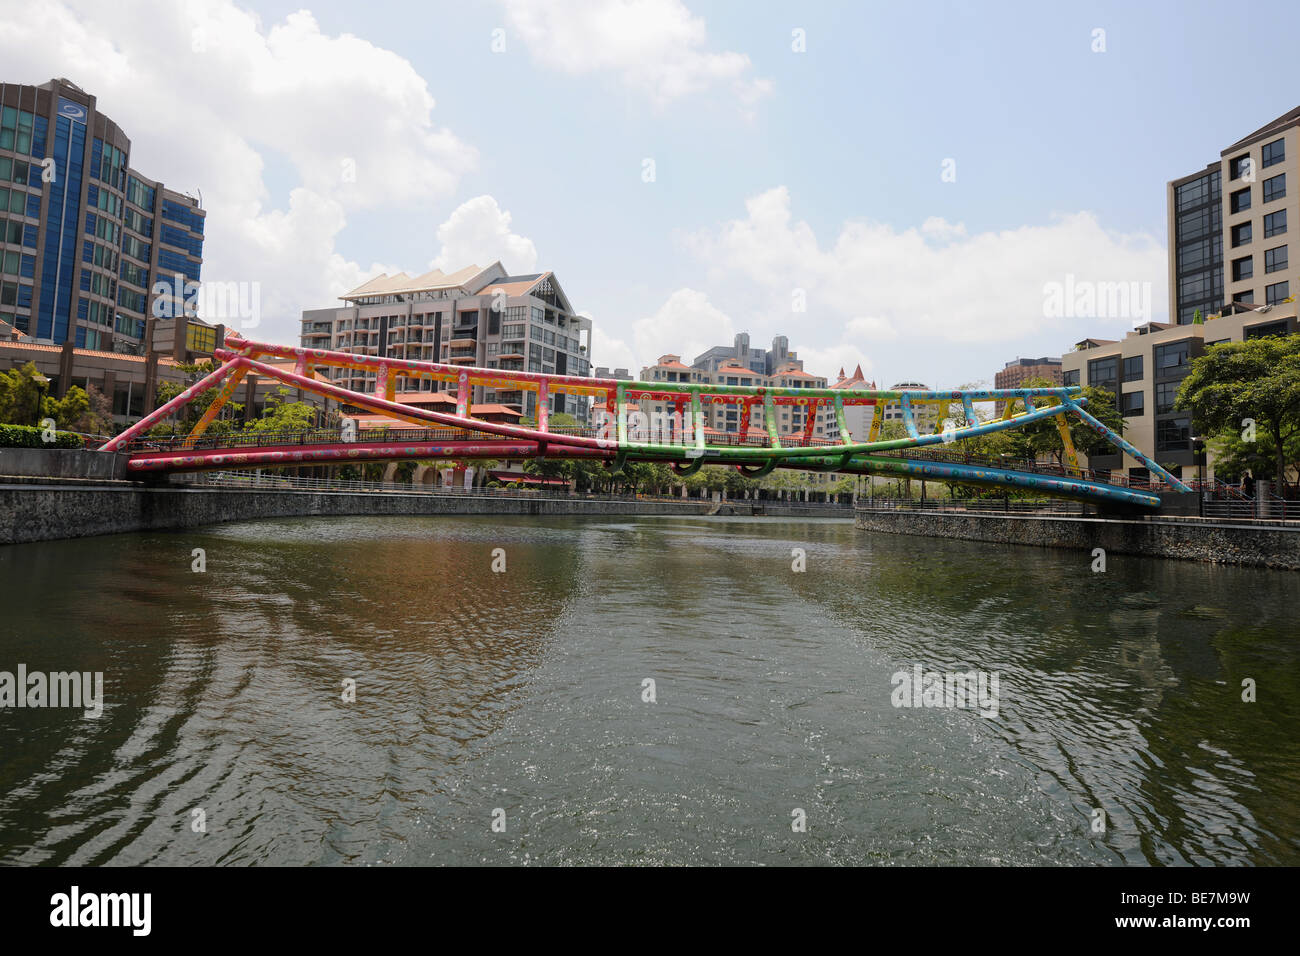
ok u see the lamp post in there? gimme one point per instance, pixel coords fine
(1198, 455)
(41, 383)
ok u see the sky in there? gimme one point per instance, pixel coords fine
(903, 186)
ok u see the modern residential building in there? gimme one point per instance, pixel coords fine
(1229, 280)
(90, 248)
(1014, 374)
(1229, 224)
(474, 316)
(1145, 368)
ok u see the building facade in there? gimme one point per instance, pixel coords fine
(1144, 371)
(725, 417)
(1229, 280)
(762, 361)
(90, 249)
(1229, 224)
(1014, 374)
(474, 316)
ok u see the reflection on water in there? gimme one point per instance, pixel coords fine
(523, 692)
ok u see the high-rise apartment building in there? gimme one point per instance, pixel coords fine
(1229, 225)
(1229, 236)
(90, 249)
(474, 316)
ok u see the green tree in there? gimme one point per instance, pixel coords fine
(1236, 383)
(20, 396)
(1044, 438)
(282, 415)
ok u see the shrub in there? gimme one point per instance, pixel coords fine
(28, 436)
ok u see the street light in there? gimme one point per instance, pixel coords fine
(41, 383)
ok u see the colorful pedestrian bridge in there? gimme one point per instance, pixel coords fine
(675, 434)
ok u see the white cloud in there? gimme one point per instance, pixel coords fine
(936, 284)
(479, 231)
(656, 47)
(353, 121)
(685, 325)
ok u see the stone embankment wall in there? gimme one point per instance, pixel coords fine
(1194, 539)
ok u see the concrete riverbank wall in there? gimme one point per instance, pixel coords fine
(1187, 538)
(43, 509)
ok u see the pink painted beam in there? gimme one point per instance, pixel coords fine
(410, 411)
(184, 398)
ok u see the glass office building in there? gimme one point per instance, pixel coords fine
(90, 249)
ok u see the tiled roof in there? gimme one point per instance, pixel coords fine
(117, 356)
(435, 279)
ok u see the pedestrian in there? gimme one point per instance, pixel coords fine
(1248, 485)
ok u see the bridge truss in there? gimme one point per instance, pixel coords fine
(686, 448)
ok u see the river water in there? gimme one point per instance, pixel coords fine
(507, 717)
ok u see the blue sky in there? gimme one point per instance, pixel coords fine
(1042, 129)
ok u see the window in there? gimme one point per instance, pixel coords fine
(1197, 224)
(1102, 373)
(1133, 368)
(1273, 153)
(1246, 297)
(1275, 259)
(1267, 328)
(1241, 166)
(1240, 200)
(1278, 292)
(1243, 268)
(1275, 223)
(1070, 377)
(1240, 234)
(1132, 403)
(1199, 254)
(1171, 358)
(1275, 188)
(1174, 434)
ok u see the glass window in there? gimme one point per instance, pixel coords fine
(1240, 200)
(1275, 259)
(1174, 434)
(1274, 188)
(1243, 268)
(1133, 403)
(1170, 358)
(1247, 297)
(1241, 166)
(1070, 377)
(1275, 223)
(1133, 368)
(1273, 153)
(1240, 234)
(1276, 293)
(1102, 372)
